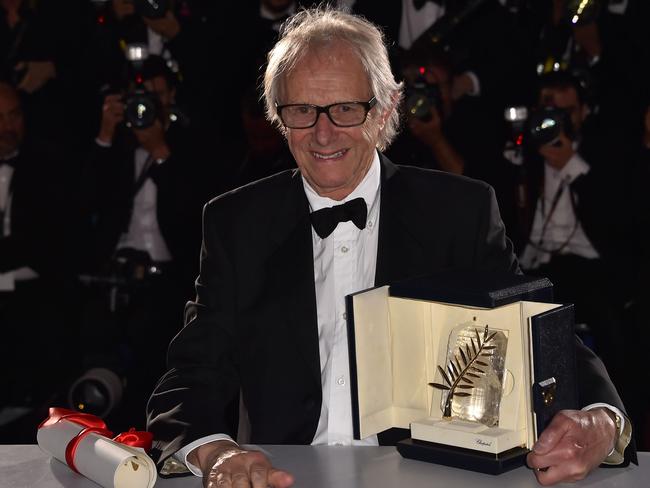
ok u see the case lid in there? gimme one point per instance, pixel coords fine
(479, 289)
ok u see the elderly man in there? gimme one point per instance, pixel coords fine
(279, 256)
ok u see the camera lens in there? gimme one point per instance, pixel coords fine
(421, 97)
(140, 109)
(546, 125)
(97, 392)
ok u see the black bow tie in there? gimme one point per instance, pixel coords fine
(325, 220)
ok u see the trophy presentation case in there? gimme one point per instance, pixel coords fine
(475, 365)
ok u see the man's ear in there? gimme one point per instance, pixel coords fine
(394, 101)
(584, 112)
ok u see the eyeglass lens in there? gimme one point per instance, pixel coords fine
(343, 114)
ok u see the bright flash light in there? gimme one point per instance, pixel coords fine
(581, 9)
(547, 123)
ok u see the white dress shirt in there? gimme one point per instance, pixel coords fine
(144, 232)
(556, 228)
(344, 263)
(414, 22)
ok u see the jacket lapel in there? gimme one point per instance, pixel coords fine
(400, 252)
(292, 265)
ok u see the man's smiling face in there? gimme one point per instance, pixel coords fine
(334, 160)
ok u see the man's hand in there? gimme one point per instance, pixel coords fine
(123, 8)
(152, 139)
(574, 443)
(559, 153)
(37, 73)
(461, 85)
(225, 465)
(112, 114)
(426, 131)
(167, 26)
(429, 132)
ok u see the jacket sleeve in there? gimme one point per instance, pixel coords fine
(493, 249)
(199, 393)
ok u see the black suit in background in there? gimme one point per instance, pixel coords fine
(131, 338)
(253, 326)
(37, 350)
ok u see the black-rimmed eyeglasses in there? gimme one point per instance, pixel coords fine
(342, 114)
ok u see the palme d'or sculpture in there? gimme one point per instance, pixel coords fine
(463, 366)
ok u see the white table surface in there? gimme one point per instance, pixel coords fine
(323, 467)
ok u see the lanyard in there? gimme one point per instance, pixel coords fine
(144, 174)
(556, 199)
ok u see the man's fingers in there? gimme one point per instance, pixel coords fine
(258, 475)
(245, 469)
(552, 435)
(218, 479)
(550, 476)
(279, 479)
(559, 455)
(242, 479)
(566, 472)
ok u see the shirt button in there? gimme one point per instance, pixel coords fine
(370, 224)
(345, 316)
(344, 249)
(340, 381)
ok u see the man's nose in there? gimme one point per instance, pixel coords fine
(325, 129)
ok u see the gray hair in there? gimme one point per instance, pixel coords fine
(319, 26)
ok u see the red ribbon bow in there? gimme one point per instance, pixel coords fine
(92, 423)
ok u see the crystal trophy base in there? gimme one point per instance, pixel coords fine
(468, 435)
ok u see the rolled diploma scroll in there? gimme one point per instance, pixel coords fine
(98, 458)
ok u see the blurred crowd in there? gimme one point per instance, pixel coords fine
(119, 119)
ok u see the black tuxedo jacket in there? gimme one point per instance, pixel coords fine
(43, 215)
(253, 326)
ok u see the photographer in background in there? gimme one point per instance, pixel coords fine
(173, 30)
(442, 133)
(574, 225)
(144, 228)
(481, 37)
(37, 241)
(39, 53)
